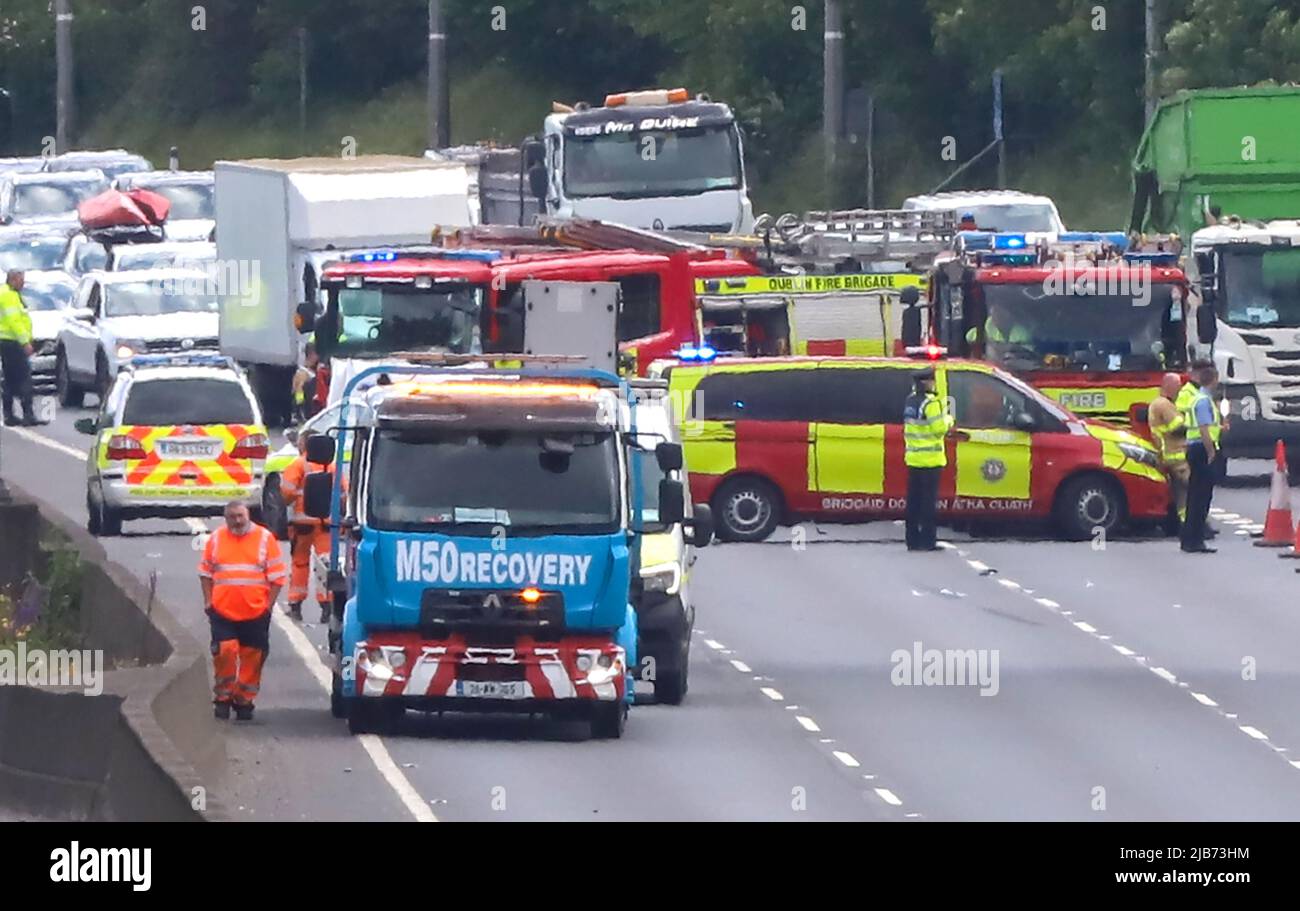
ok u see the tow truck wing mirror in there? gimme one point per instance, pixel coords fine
(669, 456)
(672, 502)
(320, 450)
(317, 490)
(1207, 325)
(700, 526)
(538, 182)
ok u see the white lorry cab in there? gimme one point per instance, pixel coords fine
(1248, 275)
(998, 211)
(656, 159)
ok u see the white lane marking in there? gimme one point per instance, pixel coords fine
(714, 644)
(1225, 515)
(373, 746)
(1295, 763)
(47, 442)
(772, 694)
(808, 724)
(1008, 583)
(976, 565)
(1086, 627)
(1205, 700)
(846, 758)
(888, 797)
(741, 666)
(1047, 602)
(1163, 674)
(1252, 732)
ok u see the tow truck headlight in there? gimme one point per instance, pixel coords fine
(1139, 454)
(663, 577)
(608, 668)
(380, 663)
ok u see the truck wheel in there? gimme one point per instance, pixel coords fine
(369, 715)
(274, 515)
(670, 689)
(92, 516)
(337, 707)
(69, 395)
(1087, 503)
(748, 509)
(608, 720)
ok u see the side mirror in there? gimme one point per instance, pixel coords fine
(1024, 421)
(316, 493)
(533, 151)
(700, 526)
(1207, 325)
(305, 317)
(83, 315)
(538, 181)
(669, 456)
(320, 450)
(88, 426)
(672, 502)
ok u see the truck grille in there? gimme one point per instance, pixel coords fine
(176, 344)
(443, 611)
(1261, 340)
(1286, 406)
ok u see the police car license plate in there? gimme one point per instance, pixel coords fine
(172, 450)
(490, 689)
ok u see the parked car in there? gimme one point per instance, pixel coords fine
(113, 162)
(187, 255)
(117, 315)
(193, 213)
(83, 254)
(31, 249)
(47, 198)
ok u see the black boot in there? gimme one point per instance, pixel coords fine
(244, 712)
(295, 610)
(221, 710)
(325, 611)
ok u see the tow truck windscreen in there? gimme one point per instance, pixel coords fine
(381, 320)
(1261, 289)
(31, 254)
(188, 200)
(1095, 332)
(665, 163)
(472, 483)
(1015, 218)
(192, 400)
(35, 199)
(154, 299)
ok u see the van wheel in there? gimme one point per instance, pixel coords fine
(748, 509)
(69, 395)
(609, 720)
(1088, 503)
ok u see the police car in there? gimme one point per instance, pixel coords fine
(177, 435)
(775, 440)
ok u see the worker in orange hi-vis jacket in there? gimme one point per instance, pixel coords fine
(305, 533)
(241, 572)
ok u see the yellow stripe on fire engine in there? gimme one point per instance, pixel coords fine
(809, 284)
(1091, 400)
(994, 464)
(710, 446)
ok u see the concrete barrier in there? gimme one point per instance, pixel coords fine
(147, 748)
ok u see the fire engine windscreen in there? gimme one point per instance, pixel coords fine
(1261, 288)
(387, 318)
(1028, 329)
(474, 482)
(653, 163)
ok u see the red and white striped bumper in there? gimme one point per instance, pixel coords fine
(574, 668)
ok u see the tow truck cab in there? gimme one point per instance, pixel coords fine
(483, 555)
(1090, 323)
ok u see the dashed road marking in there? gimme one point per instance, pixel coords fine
(888, 797)
(772, 694)
(846, 758)
(714, 644)
(1252, 732)
(808, 724)
(741, 666)
(1205, 700)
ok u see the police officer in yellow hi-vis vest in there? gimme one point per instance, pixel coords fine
(925, 425)
(16, 350)
(1201, 416)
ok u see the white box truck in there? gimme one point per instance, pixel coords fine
(279, 221)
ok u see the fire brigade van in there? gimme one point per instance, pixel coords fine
(774, 440)
(176, 436)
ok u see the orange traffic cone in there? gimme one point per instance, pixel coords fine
(1279, 528)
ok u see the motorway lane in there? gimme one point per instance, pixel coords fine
(730, 752)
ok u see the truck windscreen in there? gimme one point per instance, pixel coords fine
(473, 482)
(1027, 329)
(652, 163)
(1261, 288)
(388, 318)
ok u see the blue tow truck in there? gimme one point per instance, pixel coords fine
(484, 547)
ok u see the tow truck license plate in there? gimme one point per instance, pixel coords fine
(490, 689)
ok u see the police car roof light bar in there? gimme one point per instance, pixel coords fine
(181, 360)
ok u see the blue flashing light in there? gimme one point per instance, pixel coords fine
(976, 240)
(1009, 242)
(182, 359)
(373, 256)
(483, 256)
(697, 354)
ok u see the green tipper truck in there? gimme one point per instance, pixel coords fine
(1237, 150)
(1240, 148)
